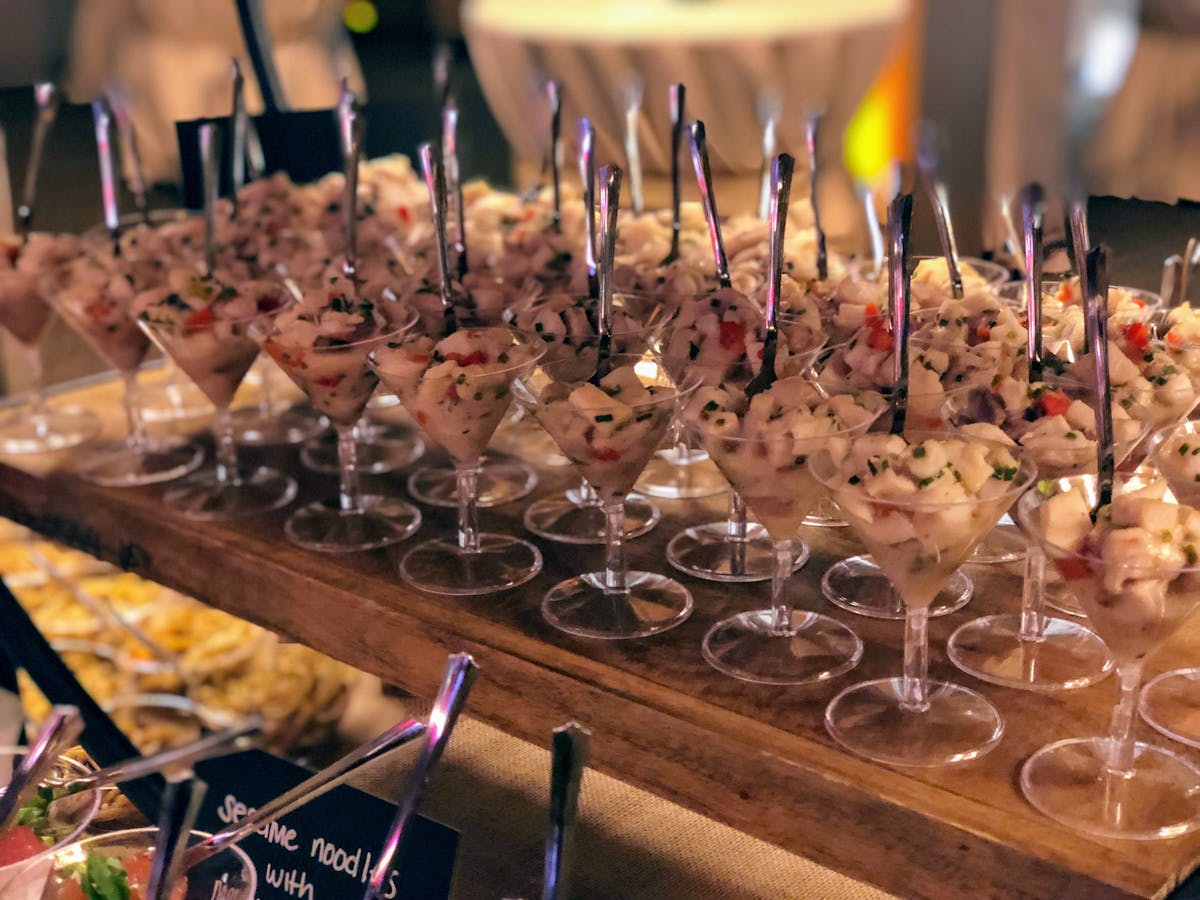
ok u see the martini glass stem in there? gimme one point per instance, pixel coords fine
(781, 604)
(1120, 734)
(266, 402)
(736, 529)
(1033, 596)
(133, 413)
(615, 566)
(914, 683)
(222, 428)
(468, 506)
(37, 390)
(349, 486)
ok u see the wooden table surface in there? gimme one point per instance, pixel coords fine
(755, 757)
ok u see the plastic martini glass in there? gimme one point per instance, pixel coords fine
(609, 432)
(459, 400)
(1114, 785)
(912, 720)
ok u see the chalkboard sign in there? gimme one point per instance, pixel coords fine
(325, 850)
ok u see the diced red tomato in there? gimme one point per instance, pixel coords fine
(1139, 302)
(201, 318)
(983, 332)
(421, 417)
(1073, 568)
(1137, 335)
(733, 337)
(879, 338)
(330, 381)
(405, 215)
(474, 358)
(1064, 293)
(99, 309)
(605, 454)
(68, 890)
(19, 843)
(1054, 403)
(1174, 339)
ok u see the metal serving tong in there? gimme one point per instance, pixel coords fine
(461, 673)
(781, 189)
(899, 223)
(309, 789)
(568, 758)
(59, 732)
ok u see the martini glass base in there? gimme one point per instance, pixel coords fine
(384, 448)
(116, 464)
(327, 528)
(202, 496)
(1171, 705)
(858, 586)
(558, 519)
(870, 720)
(580, 606)
(279, 427)
(698, 477)
(814, 648)
(59, 428)
(705, 551)
(501, 480)
(1159, 798)
(441, 567)
(1069, 656)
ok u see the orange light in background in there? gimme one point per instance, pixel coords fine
(881, 131)
(360, 16)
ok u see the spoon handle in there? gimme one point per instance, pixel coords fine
(587, 175)
(554, 98)
(435, 183)
(454, 190)
(443, 59)
(678, 100)
(812, 130)
(1033, 210)
(46, 96)
(899, 221)
(781, 191)
(131, 154)
(108, 183)
(1170, 289)
(567, 761)
(58, 732)
(208, 165)
(237, 144)
(610, 198)
(927, 162)
(352, 124)
(1081, 243)
(633, 153)
(461, 673)
(770, 106)
(709, 199)
(874, 231)
(1096, 314)
(312, 787)
(181, 806)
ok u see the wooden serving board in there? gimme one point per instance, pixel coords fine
(755, 757)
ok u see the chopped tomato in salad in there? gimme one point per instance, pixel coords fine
(18, 844)
(733, 336)
(103, 877)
